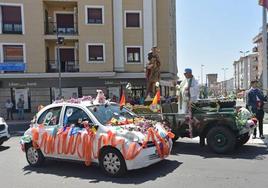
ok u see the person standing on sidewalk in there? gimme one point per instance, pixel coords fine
(20, 106)
(255, 102)
(9, 108)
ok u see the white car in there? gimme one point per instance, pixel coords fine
(94, 130)
(4, 133)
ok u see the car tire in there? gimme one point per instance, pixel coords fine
(1, 143)
(242, 140)
(221, 140)
(34, 156)
(112, 162)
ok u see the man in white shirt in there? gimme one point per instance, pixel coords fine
(9, 106)
(187, 92)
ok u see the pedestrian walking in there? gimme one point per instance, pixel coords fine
(255, 102)
(9, 109)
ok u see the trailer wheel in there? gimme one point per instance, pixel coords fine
(221, 140)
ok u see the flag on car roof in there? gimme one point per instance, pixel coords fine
(123, 99)
(156, 98)
(263, 3)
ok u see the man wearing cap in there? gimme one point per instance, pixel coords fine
(255, 102)
(187, 92)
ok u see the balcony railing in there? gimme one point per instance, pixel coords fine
(52, 28)
(66, 66)
(11, 28)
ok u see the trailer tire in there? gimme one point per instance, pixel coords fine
(221, 139)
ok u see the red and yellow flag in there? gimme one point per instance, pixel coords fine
(156, 98)
(263, 3)
(123, 99)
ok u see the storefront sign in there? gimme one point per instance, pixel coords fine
(12, 67)
(27, 84)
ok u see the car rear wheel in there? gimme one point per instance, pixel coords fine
(221, 140)
(112, 162)
(1, 143)
(34, 156)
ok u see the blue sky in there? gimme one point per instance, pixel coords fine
(212, 32)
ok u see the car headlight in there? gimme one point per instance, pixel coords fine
(131, 137)
(2, 120)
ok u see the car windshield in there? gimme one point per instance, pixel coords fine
(105, 113)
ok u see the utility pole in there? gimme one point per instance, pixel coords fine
(60, 41)
(264, 37)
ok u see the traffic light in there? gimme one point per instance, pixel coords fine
(60, 40)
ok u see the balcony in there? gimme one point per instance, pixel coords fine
(66, 66)
(53, 28)
(8, 28)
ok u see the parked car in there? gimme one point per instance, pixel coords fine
(4, 132)
(100, 132)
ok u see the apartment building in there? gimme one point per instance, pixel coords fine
(257, 40)
(97, 44)
(245, 70)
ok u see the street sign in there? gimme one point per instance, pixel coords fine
(12, 66)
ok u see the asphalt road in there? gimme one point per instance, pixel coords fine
(188, 166)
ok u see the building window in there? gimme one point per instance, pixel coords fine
(13, 53)
(94, 15)
(95, 52)
(11, 19)
(133, 54)
(133, 19)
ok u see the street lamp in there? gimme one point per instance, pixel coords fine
(202, 66)
(244, 52)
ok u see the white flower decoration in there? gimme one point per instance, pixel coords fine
(157, 84)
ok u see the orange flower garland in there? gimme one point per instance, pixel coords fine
(72, 145)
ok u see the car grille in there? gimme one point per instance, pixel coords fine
(153, 156)
(2, 127)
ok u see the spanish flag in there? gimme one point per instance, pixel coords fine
(156, 98)
(263, 3)
(123, 99)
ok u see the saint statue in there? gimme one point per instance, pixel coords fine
(152, 71)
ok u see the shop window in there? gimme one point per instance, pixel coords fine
(94, 15)
(96, 53)
(132, 19)
(13, 53)
(11, 19)
(133, 54)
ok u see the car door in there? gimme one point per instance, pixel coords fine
(73, 119)
(50, 119)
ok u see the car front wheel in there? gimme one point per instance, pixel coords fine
(112, 162)
(34, 156)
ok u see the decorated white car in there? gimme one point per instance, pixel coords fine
(96, 130)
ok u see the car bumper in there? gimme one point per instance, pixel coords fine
(4, 136)
(248, 130)
(147, 157)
